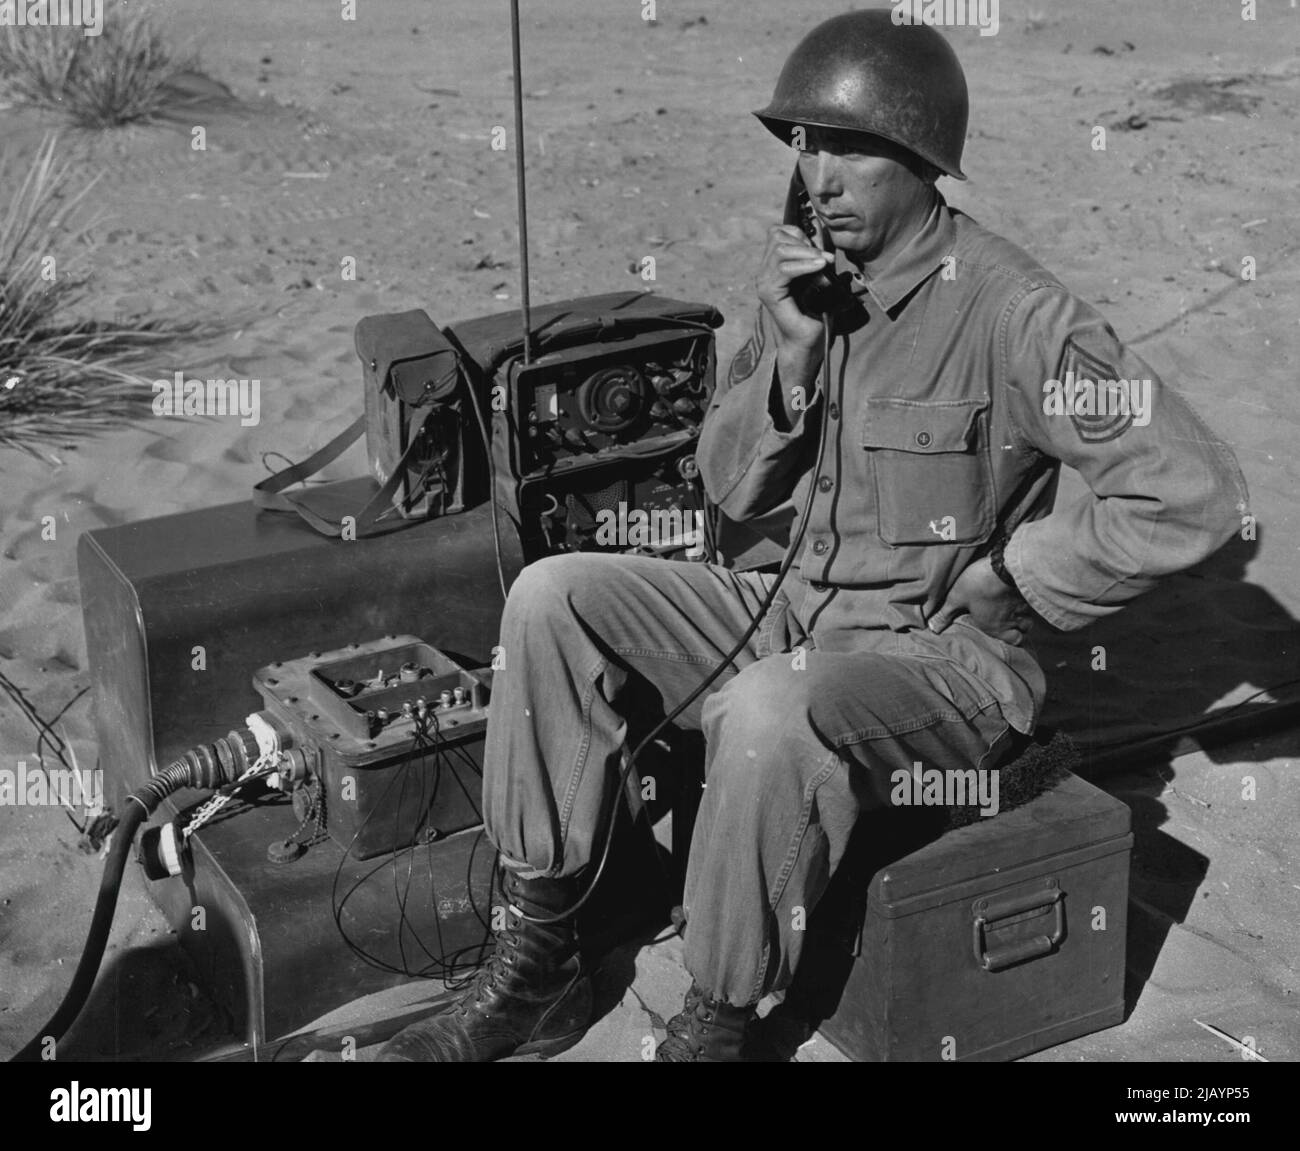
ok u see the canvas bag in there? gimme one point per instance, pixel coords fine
(421, 450)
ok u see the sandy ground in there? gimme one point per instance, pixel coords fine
(373, 141)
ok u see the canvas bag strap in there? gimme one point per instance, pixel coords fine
(270, 495)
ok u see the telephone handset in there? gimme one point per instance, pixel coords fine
(817, 293)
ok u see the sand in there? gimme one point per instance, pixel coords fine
(373, 141)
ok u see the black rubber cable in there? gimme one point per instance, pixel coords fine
(200, 767)
(105, 905)
(140, 805)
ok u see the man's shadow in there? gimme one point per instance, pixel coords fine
(1200, 637)
(1150, 694)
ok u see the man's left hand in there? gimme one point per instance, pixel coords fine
(994, 607)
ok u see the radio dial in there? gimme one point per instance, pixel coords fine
(613, 400)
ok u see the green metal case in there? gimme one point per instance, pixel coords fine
(996, 940)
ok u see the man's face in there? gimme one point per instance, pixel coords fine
(863, 188)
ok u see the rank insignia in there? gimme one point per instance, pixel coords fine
(1100, 405)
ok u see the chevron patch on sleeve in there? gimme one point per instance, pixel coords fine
(1100, 404)
(745, 362)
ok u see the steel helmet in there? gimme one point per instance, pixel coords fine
(864, 73)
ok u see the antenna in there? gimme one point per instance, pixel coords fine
(525, 309)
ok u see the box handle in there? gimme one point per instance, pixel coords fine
(988, 912)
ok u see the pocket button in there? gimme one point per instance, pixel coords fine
(924, 439)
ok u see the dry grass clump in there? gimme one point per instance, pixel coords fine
(62, 376)
(122, 76)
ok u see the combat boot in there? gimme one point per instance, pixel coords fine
(532, 997)
(707, 1030)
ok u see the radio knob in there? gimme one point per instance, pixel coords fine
(611, 400)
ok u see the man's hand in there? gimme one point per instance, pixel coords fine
(995, 608)
(789, 256)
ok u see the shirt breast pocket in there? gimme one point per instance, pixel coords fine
(929, 461)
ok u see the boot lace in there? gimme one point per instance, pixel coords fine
(494, 968)
(685, 1039)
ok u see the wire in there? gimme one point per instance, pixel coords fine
(710, 528)
(446, 966)
(492, 488)
(46, 733)
(400, 894)
(723, 663)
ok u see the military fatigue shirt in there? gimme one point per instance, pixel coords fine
(962, 377)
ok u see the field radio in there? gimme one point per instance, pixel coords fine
(601, 422)
(590, 419)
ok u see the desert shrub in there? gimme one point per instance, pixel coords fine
(119, 77)
(63, 375)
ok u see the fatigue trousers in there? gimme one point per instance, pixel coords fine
(798, 741)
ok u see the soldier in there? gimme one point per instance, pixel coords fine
(925, 450)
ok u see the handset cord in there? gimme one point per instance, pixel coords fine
(708, 680)
(492, 490)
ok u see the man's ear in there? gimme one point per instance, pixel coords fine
(923, 170)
